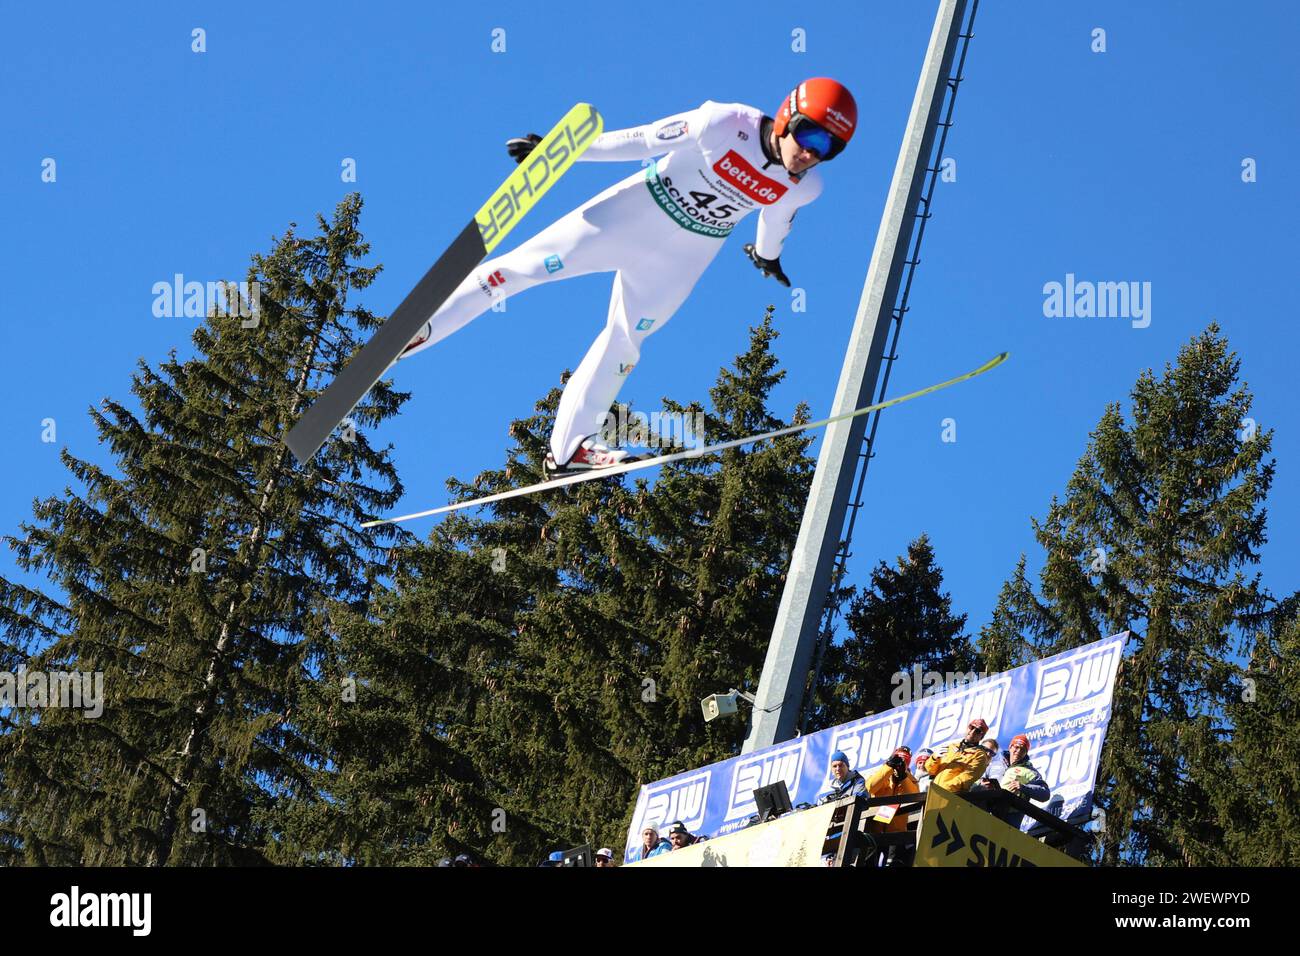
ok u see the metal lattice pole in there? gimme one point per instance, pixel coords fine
(813, 559)
(921, 215)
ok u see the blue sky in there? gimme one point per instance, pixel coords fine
(1115, 166)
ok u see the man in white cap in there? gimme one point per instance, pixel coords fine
(652, 844)
(604, 856)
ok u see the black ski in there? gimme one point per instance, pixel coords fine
(548, 161)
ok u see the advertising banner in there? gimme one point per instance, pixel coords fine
(1061, 703)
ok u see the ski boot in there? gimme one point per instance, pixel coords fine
(590, 456)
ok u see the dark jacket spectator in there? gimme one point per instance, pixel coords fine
(844, 782)
(998, 763)
(679, 836)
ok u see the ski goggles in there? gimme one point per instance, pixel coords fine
(816, 139)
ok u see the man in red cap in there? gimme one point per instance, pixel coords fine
(1023, 780)
(963, 762)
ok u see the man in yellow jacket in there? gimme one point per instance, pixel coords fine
(963, 762)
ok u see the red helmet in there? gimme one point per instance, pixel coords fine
(824, 103)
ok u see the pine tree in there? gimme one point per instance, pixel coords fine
(194, 573)
(1159, 522)
(1002, 645)
(902, 620)
(1258, 798)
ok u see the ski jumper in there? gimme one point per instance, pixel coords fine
(657, 231)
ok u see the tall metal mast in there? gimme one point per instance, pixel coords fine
(813, 561)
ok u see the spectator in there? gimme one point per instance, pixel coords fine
(963, 762)
(652, 844)
(844, 782)
(1023, 780)
(604, 856)
(996, 768)
(923, 777)
(892, 779)
(679, 836)
(556, 858)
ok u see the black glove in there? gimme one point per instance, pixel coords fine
(769, 267)
(521, 146)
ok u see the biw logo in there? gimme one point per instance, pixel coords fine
(682, 798)
(952, 711)
(870, 742)
(1069, 764)
(1075, 682)
(779, 763)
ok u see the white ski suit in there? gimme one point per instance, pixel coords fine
(657, 231)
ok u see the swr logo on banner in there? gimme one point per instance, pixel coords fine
(955, 833)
